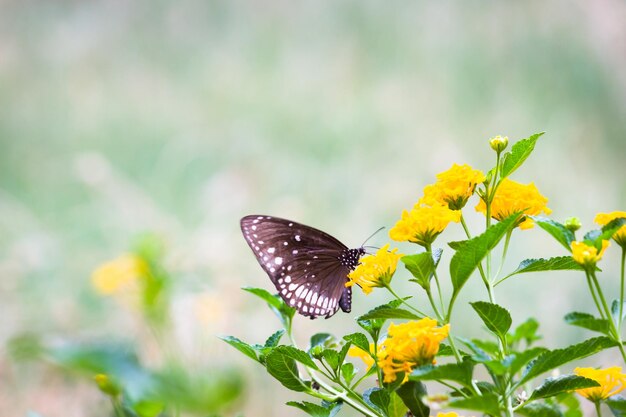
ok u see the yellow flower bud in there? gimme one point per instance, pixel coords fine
(499, 143)
(107, 385)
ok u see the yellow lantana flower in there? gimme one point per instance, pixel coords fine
(612, 381)
(587, 256)
(450, 414)
(409, 345)
(423, 224)
(119, 274)
(512, 197)
(453, 187)
(366, 357)
(375, 271)
(605, 218)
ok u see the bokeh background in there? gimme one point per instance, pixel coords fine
(178, 118)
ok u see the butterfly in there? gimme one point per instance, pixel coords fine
(308, 267)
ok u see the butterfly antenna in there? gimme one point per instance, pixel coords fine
(372, 235)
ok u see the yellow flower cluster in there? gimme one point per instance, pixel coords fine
(586, 255)
(612, 381)
(453, 187)
(605, 218)
(423, 224)
(119, 275)
(375, 271)
(366, 357)
(410, 345)
(512, 197)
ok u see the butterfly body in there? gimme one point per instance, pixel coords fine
(308, 267)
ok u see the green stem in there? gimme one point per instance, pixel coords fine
(117, 407)
(616, 333)
(388, 287)
(443, 308)
(598, 412)
(504, 252)
(480, 265)
(595, 298)
(434, 306)
(378, 370)
(621, 292)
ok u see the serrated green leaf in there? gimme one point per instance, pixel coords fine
(519, 152)
(540, 410)
(558, 231)
(496, 318)
(516, 361)
(316, 410)
(526, 331)
(389, 313)
(358, 340)
(296, 354)
(587, 321)
(273, 340)
(322, 339)
(458, 372)
(617, 404)
(378, 397)
(555, 358)
(331, 357)
(396, 406)
(373, 326)
(348, 372)
(595, 237)
(467, 258)
(487, 403)
(411, 393)
(276, 304)
(242, 347)
(564, 383)
(285, 370)
(559, 263)
(422, 266)
(265, 295)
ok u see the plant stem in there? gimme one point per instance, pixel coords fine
(404, 302)
(621, 292)
(617, 337)
(117, 407)
(443, 308)
(480, 265)
(598, 412)
(504, 252)
(434, 306)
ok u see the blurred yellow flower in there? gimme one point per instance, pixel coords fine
(119, 275)
(450, 414)
(423, 224)
(605, 218)
(453, 187)
(410, 345)
(512, 197)
(587, 255)
(612, 381)
(375, 271)
(366, 357)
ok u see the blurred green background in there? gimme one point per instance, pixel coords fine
(181, 117)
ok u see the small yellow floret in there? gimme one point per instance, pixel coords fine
(612, 381)
(453, 187)
(366, 357)
(375, 271)
(423, 224)
(119, 274)
(512, 197)
(585, 255)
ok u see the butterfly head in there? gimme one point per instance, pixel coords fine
(350, 257)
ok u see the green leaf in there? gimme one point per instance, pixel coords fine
(617, 404)
(315, 410)
(148, 408)
(458, 372)
(615, 312)
(587, 321)
(595, 237)
(348, 372)
(242, 347)
(470, 254)
(568, 403)
(517, 360)
(496, 318)
(487, 403)
(559, 263)
(396, 406)
(555, 358)
(540, 410)
(277, 305)
(296, 354)
(526, 331)
(373, 326)
(379, 398)
(358, 340)
(564, 383)
(389, 313)
(273, 340)
(285, 370)
(411, 393)
(519, 152)
(558, 231)
(422, 266)
(321, 339)
(331, 357)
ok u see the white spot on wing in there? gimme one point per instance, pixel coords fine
(297, 237)
(287, 279)
(278, 260)
(271, 250)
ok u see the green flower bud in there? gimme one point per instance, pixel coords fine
(107, 385)
(499, 143)
(572, 224)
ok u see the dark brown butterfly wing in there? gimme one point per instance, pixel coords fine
(308, 267)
